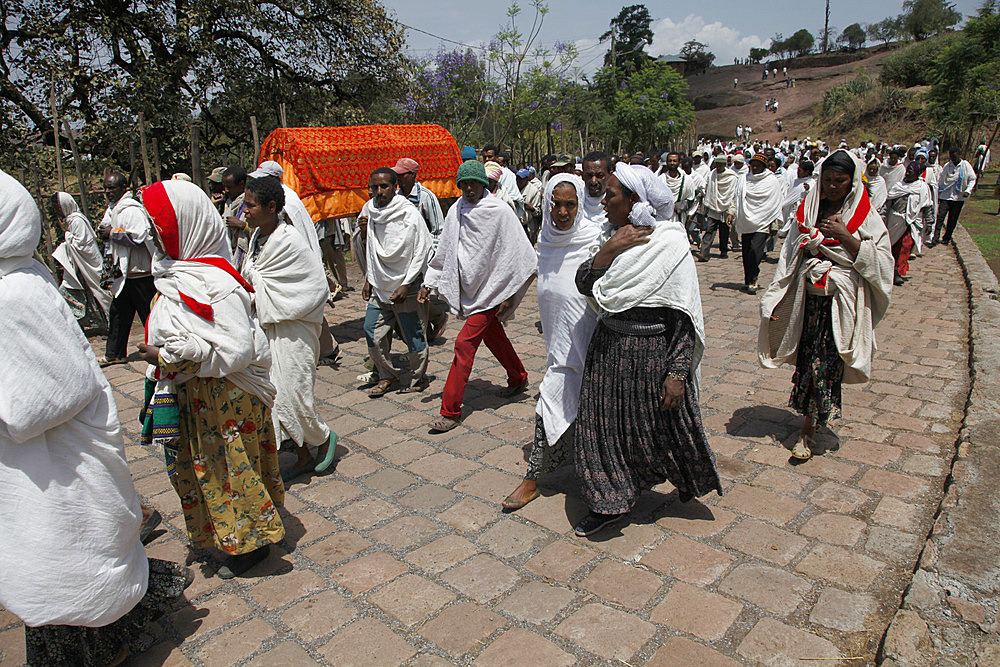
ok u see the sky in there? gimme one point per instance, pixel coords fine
(729, 27)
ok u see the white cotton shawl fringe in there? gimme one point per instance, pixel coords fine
(568, 321)
(758, 202)
(398, 246)
(62, 460)
(861, 287)
(483, 258)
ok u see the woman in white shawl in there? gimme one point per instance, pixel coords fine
(290, 294)
(830, 290)
(81, 260)
(210, 363)
(567, 238)
(759, 196)
(877, 190)
(72, 566)
(908, 210)
(639, 423)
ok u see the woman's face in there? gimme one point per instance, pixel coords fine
(258, 215)
(564, 206)
(616, 203)
(835, 185)
(872, 169)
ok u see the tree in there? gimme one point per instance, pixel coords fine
(922, 18)
(697, 56)
(885, 31)
(652, 107)
(826, 28)
(801, 42)
(177, 61)
(629, 34)
(450, 88)
(758, 54)
(854, 36)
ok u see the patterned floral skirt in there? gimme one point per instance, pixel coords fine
(546, 458)
(227, 467)
(624, 442)
(66, 645)
(819, 370)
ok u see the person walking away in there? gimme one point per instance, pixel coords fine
(81, 261)
(720, 207)
(955, 186)
(908, 208)
(482, 269)
(831, 289)
(758, 203)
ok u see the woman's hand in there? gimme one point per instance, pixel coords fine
(149, 353)
(833, 228)
(626, 237)
(672, 393)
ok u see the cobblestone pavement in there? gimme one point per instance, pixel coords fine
(401, 554)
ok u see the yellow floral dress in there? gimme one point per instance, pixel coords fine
(227, 465)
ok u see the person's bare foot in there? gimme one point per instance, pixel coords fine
(525, 492)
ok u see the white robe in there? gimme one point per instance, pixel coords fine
(298, 215)
(758, 202)
(720, 194)
(904, 215)
(683, 188)
(290, 293)
(892, 174)
(80, 256)
(397, 246)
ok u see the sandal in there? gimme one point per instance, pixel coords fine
(330, 451)
(507, 392)
(382, 388)
(594, 522)
(417, 387)
(444, 424)
(511, 505)
(105, 361)
(801, 450)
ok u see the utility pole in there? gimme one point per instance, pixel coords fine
(612, 47)
(826, 28)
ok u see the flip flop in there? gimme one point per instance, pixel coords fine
(330, 451)
(511, 505)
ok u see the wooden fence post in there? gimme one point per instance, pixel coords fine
(84, 195)
(46, 232)
(196, 155)
(55, 137)
(147, 172)
(256, 141)
(155, 145)
(284, 119)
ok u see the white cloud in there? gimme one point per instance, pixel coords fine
(726, 43)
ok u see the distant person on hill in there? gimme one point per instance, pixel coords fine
(736, 82)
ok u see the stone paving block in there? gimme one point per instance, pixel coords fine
(461, 627)
(921, 464)
(696, 611)
(840, 610)
(365, 573)
(442, 468)
(305, 527)
(406, 532)
(471, 445)
(368, 512)
(756, 538)
(508, 538)
(838, 498)
(606, 632)
(868, 453)
(840, 566)
(537, 602)
(285, 653)
(519, 646)
(318, 615)
(490, 485)
(12, 649)
(772, 589)
(336, 549)
(469, 515)
(378, 438)
(483, 578)
(509, 458)
(428, 498)
(560, 560)
(193, 621)
(893, 545)
(827, 467)
(442, 553)
(554, 511)
(895, 512)
(834, 529)
(678, 651)
(407, 451)
(627, 585)
(694, 519)
(236, 643)
(390, 482)
(329, 494)
(687, 560)
(627, 541)
(280, 590)
(357, 465)
(890, 483)
(773, 642)
(411, 598)
(367, 642)
(782, 481)
(762, 504)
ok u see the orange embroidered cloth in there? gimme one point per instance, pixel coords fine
(329, 166)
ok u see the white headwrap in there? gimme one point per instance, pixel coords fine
(655, 199)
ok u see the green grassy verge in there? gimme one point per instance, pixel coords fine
(979, 220)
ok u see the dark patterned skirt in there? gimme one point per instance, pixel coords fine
(624, 443)
(546, 458)
(71, 645)
(819, 370)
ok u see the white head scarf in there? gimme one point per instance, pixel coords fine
(20, 221)
(583, 232)
(855, 209)
(655, 198)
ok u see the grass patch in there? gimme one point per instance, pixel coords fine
(979, 220)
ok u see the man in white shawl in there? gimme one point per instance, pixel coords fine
(893, 169)
(797, 191)
(596, 172)
(567, 239)
(955, 185)
(720, 207)
(397, 249)
(72, 566)
(291, 292)
(908, 209)
(482, 269)
(759, 197)
(682, 186)
(830, 290)
(127, 225)
(644, 354)
(80, 258)
(931, 175)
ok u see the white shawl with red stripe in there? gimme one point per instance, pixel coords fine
(811, 264)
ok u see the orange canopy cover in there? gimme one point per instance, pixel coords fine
(329, 166)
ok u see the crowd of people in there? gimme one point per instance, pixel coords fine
(232, 286)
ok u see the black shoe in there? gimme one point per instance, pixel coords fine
(237, 565)
(897, 281)
(149, 525)
(593, 522)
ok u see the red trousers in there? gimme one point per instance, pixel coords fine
(901, 253)
(480, 328)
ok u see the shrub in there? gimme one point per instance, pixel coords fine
(862, 101)
(910, 66)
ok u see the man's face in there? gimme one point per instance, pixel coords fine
(406, 181)
(232, 188)
(720, 167)
(872, 169)
(955, 156)
(673, 162)
(913, 171)
(893, 159)
(501, 160)
(489, 155)
(595, 177)
(381, 189)
(113, 190)
(757, 167)
(471, 190)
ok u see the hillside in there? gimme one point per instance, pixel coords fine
(719, 107)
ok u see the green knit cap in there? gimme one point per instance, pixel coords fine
(472, 170)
